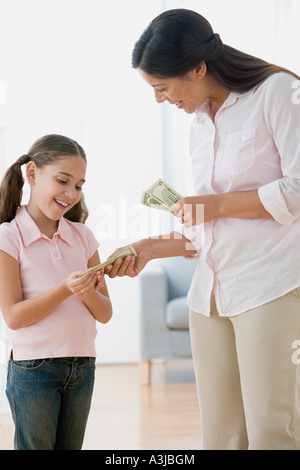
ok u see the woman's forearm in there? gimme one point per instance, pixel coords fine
(243, 205)
(194, 210)
(165, 246)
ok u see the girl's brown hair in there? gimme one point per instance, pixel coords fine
(45, 151)
(177, 41)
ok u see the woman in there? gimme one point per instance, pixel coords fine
(245, 296)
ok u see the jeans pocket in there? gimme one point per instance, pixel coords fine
(28, 365)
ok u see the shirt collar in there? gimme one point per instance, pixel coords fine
(30, 232)
(230, 100)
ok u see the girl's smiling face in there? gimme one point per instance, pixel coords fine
(55, 188)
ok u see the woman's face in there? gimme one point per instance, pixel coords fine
(187, 93)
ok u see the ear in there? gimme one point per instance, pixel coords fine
(30, 172)
(201, 70)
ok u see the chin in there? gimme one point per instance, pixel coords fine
(189, 111)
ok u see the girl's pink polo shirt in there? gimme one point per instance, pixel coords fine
(70, 329)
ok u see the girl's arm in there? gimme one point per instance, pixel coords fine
(19, 313)
(16, 311)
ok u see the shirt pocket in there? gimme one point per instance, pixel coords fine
(239, 152)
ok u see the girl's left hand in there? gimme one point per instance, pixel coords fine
(196, 210)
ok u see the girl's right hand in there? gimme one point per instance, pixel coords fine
(81, 285)
(130, 266)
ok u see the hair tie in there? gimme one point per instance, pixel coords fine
(213, 48)
(23, 160)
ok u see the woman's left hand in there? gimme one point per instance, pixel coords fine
(195, 210)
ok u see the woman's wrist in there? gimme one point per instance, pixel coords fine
(222, 208)
(146, 248)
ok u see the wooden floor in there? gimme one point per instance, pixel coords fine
(127, 416)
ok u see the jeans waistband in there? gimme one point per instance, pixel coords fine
(68, 358)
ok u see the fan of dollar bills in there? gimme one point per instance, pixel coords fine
(128, 250)
(160, 196)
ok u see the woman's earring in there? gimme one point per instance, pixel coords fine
(200, 76)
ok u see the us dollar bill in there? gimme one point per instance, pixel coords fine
(128, 250)
(151, 201)
(160, 196)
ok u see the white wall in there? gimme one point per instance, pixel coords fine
(65, 66)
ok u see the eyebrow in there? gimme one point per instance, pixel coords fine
(158, 84)
(69, 175)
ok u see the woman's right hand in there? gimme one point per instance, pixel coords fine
(130, 266)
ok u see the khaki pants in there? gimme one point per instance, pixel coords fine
(248, 376)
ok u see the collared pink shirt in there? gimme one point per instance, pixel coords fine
(70, 329)
(253, 143)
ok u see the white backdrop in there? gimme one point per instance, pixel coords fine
(65, 66)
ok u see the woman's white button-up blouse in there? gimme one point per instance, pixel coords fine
(253, 143)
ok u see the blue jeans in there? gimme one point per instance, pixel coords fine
(50, 401)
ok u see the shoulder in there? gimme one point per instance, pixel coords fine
(280, 84)
(278, 100)
(9, 229)
(279, 93)
(77, 227)
(10, 238)
(76, 232)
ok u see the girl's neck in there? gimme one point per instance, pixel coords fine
(47, 226)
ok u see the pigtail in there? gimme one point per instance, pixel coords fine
(11, 190)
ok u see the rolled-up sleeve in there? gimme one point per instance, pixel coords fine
(281, 198)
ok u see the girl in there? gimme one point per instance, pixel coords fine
(45, 300)
(245, 295)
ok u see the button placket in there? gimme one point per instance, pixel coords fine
(55, 250)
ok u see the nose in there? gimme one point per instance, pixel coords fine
(71, 193)
(159, 97)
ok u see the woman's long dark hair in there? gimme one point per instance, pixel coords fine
(45, 151)
(177, 41)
